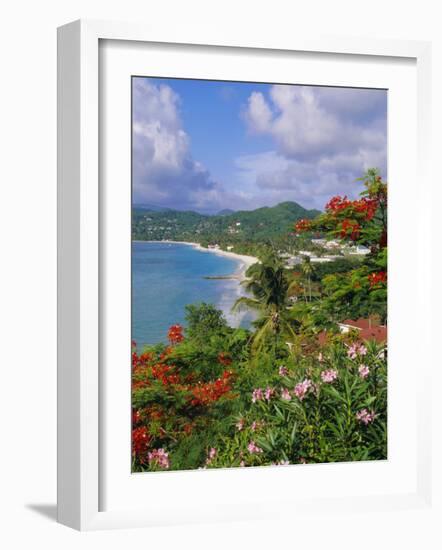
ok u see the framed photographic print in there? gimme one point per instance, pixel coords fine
(230, 326)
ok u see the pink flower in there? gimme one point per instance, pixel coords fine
(352, 351)
(362, 350)
(356, 349)
(160, 458)
(240, 424)
(364, 371)
(253, 448)
(257, 395)
(256, 425)
(302, 388)
(285, 394)
(268, 393)
(283, 371)
(329, 376)
(211, 455)
(365, 417)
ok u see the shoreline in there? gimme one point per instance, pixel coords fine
(246, 261)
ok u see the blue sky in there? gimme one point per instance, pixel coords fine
(208, 145)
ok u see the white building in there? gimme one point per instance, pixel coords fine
(319, 242)
(322, 260)
(332, 244)
(306, 253)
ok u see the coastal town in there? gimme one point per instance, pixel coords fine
(322, 251)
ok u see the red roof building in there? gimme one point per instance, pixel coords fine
(368, 329)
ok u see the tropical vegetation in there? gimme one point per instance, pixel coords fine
(247, 232)
(293, 389)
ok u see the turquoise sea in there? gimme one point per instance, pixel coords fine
(167, 276)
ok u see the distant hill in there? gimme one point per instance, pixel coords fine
(151, 208)
(225, 212)
(243, 226)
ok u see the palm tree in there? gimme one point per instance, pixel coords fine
(307, 270)
(268, 285)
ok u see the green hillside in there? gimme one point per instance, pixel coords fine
(251, 226)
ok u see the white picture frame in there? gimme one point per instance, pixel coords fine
(79, 264)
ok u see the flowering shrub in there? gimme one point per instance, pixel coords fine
(335, 414)
(171, 403)
(322, 407)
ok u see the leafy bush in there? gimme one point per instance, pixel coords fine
(324, 407)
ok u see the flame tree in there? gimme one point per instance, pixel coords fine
(361, 222)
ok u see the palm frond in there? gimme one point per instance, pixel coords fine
(261, 335)
(244, 302)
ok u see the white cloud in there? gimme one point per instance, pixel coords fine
(270, 177)
(305, 121)
(324, 139)
(164, 170)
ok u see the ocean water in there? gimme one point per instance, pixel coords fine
(166, 277)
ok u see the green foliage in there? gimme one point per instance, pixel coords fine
(283, 425)
(340, 265)
(248, 231)
(204, 321)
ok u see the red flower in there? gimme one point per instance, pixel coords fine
(187, 428)
(136, 417)
(366, 206)
(165, 374)
(204, 394)
(302, 225)
(350, 228)
(140, 442)
(336, 204)
(377, 278)
(135, 360)
(146, 357)
(175, 334)
(224, 359)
